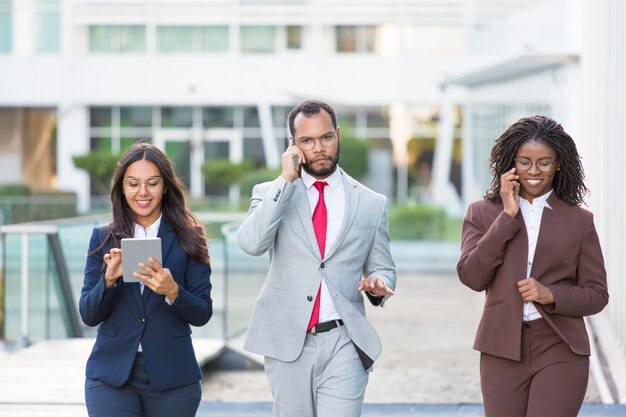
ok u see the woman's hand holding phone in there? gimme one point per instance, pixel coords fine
(291, 161)
(509, 192)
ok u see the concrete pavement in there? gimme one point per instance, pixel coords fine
(427, 367)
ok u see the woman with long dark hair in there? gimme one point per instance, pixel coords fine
(143, 361)
(535, 252)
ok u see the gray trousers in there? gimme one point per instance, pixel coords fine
(327, 379)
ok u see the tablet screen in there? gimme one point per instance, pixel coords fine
(135, 250)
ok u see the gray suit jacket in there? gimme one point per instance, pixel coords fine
(279, 221)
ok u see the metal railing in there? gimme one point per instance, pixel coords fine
(61, 281)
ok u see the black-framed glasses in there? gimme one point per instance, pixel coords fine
(543, 165)
(306, 143)
(133, 185)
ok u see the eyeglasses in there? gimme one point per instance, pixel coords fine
(543, 165)
(133, 185)
(307, 143)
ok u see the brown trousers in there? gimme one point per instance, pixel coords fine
(549, 381)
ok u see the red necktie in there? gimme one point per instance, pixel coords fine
(320, 219)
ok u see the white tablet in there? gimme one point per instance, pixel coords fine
(135, 250)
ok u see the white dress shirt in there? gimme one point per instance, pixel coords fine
(144, 232)
(335, 200)
(532, 213)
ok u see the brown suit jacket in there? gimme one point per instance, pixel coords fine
(568, 260)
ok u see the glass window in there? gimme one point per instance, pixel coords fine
(192, 39)
(132, 39)
(214, 39)
(377, 118)
(346, 120)
(175, 39)
(253, 150)
(126, 142)
(280, 115)
(368, 38)
(216, 150)
(100, 39)
(117, 39)
(218, 117)
(258, 39)
(6, 26)
(136, 116)
(48, 26)
(294, 37)
(355, 39)
(101, 144)
(346, 38)
(250, 117)
(100, 116)
(180, 155)
(176, 117)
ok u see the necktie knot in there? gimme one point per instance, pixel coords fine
(320, 186)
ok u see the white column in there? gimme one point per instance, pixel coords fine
(24, 27)
(603, 62)
(72, 140)
(400, 132)
(443, 192)
(468, 185)
(270, 148)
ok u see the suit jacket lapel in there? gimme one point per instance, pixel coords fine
(301, 202)
(352, 204)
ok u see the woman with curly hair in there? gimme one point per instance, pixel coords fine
(143, 361)
(535, 252)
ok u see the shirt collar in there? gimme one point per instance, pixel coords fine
(332, 180)
(541, 201)
(150, 231)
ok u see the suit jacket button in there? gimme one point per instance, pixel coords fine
(310, 298)
(142, 320)
(322, 265)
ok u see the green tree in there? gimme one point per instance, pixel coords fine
(100, 164)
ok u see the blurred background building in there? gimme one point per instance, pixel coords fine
(428, 84)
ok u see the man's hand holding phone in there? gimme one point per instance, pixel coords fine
(291, 161)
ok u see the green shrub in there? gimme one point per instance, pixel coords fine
(417, 222)
(255, 177)
(222, 173)
(100, 164)
(354, 153)
(14, 189)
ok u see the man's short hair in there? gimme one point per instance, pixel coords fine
(308, 108)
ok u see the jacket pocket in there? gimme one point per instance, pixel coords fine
(108, 329)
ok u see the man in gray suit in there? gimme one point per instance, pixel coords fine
(328, 243)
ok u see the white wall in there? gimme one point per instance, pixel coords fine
(604, 158)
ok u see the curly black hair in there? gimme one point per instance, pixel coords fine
(568, 183)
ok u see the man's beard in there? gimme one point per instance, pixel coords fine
(324, 172)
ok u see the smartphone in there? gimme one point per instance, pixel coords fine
(297, 165)
(296, 162)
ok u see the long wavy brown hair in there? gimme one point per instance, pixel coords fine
(174, 208)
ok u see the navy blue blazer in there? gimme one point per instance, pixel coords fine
(126, 317)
